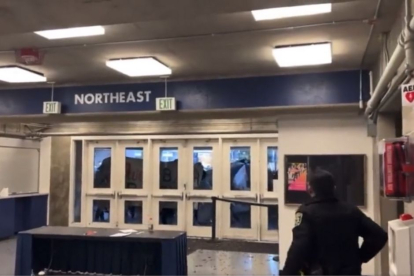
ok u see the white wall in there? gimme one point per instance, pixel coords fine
(408, 129)
(334, 134)
(19, 165)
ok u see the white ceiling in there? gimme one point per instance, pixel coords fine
(198, 39)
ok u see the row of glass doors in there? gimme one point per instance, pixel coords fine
(168, 184)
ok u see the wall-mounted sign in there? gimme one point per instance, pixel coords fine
(350, 188)
(52, 108)
(199, 95)
(408, 95)
(112, 97)
(166, 104)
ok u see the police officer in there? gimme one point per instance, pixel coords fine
(326, 234)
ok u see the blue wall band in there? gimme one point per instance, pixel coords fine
(288, 90)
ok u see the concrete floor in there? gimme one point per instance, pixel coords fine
(200, 262)
(209, 262)
(7, 256)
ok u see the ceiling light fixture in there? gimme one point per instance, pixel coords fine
(303, 55)
(15, 74)
(72, 32)
(139, 67)
(285, 12)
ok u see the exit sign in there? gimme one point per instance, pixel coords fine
(166, 104)
(51, 108)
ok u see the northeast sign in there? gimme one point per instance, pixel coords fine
(112, 97)
(407, 95)
(196, 95)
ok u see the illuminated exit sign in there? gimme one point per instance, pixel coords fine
(51, 108)
(166, 104)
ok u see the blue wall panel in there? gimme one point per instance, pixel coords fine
(289, 90)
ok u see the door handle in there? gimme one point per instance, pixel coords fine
(246, 197)
(267, 197)
(121, 195)
(231, 197)
(113, 195)
(171, 196)
(190, 196)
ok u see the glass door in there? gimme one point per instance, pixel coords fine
(101, 184)
(204, 176)
(168, 182)
(269, 175)
(240, 162)
(133, 192)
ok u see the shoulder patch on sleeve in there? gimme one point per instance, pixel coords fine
(298, 218)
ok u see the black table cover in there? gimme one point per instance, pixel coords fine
(71, 250)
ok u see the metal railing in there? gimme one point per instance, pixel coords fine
(215, 199)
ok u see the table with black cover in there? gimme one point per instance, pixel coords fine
(69, 249)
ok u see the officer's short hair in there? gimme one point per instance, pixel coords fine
(322, 183)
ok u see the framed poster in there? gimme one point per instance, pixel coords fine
(347, 170)
(296, 179)
(297, 176)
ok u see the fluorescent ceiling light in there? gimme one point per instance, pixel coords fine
(303, 55)
(14, 74)
(277, 13)
(72, 32)
(139, 67)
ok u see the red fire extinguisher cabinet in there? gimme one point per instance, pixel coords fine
(397, 168)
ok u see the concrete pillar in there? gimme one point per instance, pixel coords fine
(59, 181)
(44, 168)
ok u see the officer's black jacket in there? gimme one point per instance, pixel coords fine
(326, 236)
